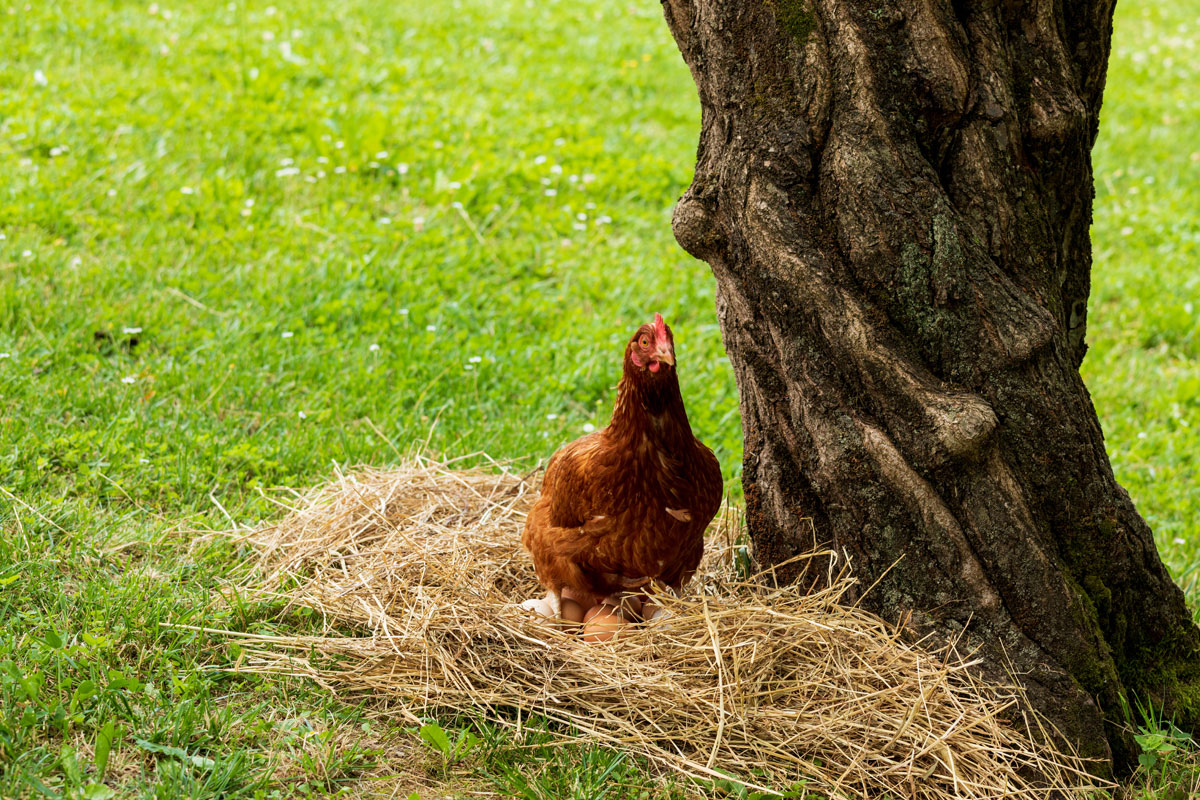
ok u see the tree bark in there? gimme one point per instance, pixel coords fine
(895, 201)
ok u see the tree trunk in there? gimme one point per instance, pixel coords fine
(895, 200)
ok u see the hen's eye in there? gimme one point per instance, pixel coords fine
(643, 341)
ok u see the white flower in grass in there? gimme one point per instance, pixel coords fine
(374, 348)
(582, 217)
(39, 78)
(550, 192)
(286, 162)
(468, 366)
(249, 202)
(456, 205)
(338, 145)
(588, 427)
(339, 170)
(2, 237)
(552, 416)
(559, 142)
(381, 155)
(1177, 540)
(431, 328)
(287, 334)
(186, 190)
(5, 355)
(75, 262)
(454, 185)
(603, 219)
(588, 177)
(403, 312)
(27, 253)
(579, 226)
(385, 220)
(129, 379)
(303, 415)
(474, 359)
(556, 169)
(1126, 231)
(402, 169)
(287, 172)
(322, 159)
(143, 461)
(245, 212)
(418, 222)
(130, 331)
(540, 160)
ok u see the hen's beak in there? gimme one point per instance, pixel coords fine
(664, 355)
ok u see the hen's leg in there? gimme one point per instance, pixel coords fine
(628, 603)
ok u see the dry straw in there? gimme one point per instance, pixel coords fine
(767, 684)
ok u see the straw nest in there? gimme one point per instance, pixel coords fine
(765, 684)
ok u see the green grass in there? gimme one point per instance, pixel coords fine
(349, 230)
(1144, 319)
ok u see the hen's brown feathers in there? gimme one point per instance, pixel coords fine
(630, 503)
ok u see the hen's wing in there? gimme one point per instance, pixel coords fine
(576, 513)
(579, 481)
(701, 496)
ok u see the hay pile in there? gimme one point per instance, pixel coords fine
(766, 684)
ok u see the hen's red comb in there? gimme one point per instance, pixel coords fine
(660, 327)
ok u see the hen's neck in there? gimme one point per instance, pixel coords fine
(651, 408)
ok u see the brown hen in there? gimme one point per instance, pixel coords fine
(627, 505)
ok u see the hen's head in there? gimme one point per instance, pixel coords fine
(650, 354)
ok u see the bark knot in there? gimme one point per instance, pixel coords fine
(696, 228)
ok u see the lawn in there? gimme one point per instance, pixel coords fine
(242, 243)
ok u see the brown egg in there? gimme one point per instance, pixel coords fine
(601, 623)
(572, 611)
